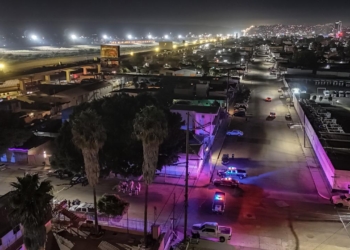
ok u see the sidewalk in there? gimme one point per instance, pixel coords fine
(316, 170)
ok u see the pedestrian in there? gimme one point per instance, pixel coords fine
(69, 203)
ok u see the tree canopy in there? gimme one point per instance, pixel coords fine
(31, 206)
(307, 59)
(122, 152)
(112, 205)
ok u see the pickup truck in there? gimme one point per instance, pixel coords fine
(231, 172)
(211, 230)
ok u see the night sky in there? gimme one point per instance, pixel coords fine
(123, 15)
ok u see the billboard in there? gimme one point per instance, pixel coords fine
(110, 51)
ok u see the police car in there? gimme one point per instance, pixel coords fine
(219, 201)
(226, 181)
(231, 172)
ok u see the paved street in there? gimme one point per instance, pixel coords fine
(277, 206)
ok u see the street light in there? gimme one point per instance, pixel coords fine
(73, 37)
(2, 66)
(131, 53)
(179, 36)
(157, 49)
(174, 46)
(149, 36)
(34, 37)
(129, 37)
(105, 36)
(166, 36)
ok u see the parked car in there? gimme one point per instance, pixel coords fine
(61, 173)
(225, 159)
(240, 114)
(211, 230)
(235, 132)
(78, 178)
(341, 200)
(83, 208)
(226, 181)
(232, 172)
(272, 114)
(288, 116)
(268, 99)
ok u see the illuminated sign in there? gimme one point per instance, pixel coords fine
(110, 51)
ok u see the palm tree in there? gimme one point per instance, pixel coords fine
(30, 203)
(150, 126)
(89, 136)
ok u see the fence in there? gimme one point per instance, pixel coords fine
(119, 222)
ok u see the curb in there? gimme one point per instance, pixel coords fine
(174, 184)
(318, 192)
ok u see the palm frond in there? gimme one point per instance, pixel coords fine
(30, 203)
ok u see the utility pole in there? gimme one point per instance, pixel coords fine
(228, 79)
(186, 177)
(174, 204)
(304, 131)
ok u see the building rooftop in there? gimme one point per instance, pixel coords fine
(315, 77)
(32, 142)
(336, 145)
(198, 109)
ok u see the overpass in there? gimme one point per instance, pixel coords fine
(43, 69)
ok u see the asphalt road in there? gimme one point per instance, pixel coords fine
(277, 206)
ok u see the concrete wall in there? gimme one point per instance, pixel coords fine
(333, 73)
(9, 239)
(298, 71)
(321, 154)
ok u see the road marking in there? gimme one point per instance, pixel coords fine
(60, 190)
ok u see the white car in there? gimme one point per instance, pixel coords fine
(341, 200)
(235, 132)
(211, 230)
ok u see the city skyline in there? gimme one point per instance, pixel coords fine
(155, 15)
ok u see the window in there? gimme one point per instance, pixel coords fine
(0, 242)
(210, 230)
